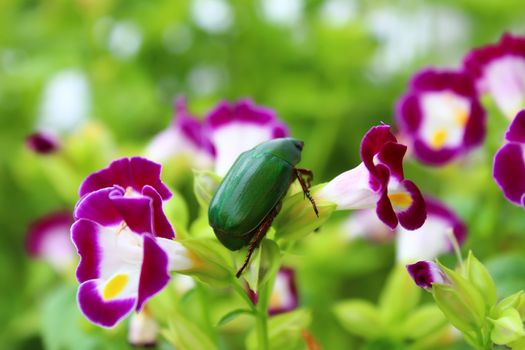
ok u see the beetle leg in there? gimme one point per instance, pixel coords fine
(305, 184)
(261, 232)
(307, 174)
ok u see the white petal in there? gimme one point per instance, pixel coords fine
(350, 190)
(143, 329)
(179, 257)
(425, 243)
(233, 139)
(282, 295)
(505, 80)
(365, 224)
(172, 143)
(122, 251)
(444, 115)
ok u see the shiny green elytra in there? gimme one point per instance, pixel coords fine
(252, 189)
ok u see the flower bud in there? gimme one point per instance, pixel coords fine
(209, 263)
(297, 217)
(426, 273)
(481, 279)
(507, 328)
(143, 330)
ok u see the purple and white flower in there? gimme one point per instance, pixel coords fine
(185, 137)
(378, 182)
(48, 239)
(509, 163)
(43, 142)
(432, 239)
(426, 273)
(441, 115)
(236, 128)
(284, 293)
(125, 242)
(425, 243)
(499, 70)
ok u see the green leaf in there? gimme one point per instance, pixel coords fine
(205, 184)
(233, 315)
(361, 318)
(61, 321)
(270, 261)
(424, 322)
(399, 296)
(183, 333)
(284, 331)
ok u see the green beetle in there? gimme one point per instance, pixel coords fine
(249, 197)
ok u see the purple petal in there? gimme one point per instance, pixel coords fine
(431, 156)
(192, 127)
(135, 211)
(385, 212)
(136, 173)
(509, 172)
(391, 155)
(425, 273)
(57, 223)
(99, 311)
(245, 111)
(516, 131)
(161, 227)
(477, 59)
(84, 234)
(154, 274)
(98, 207)
(372, 143)
(414, 216)
(42, 143)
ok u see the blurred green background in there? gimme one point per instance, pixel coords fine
(331, 69)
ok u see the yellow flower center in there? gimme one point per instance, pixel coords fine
(461, 117)
(115, 286)
(438, 138)
(275, 300)
(400, 200)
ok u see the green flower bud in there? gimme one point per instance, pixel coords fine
(454, 308)
(507, 328)
(297, 217)
(481, 279)
(469, 295)
(210, 263)
(512, 301)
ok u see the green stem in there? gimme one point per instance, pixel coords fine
(242, 293)
(262, 330)
(260, 312)
(262, 315)
(455, 245)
